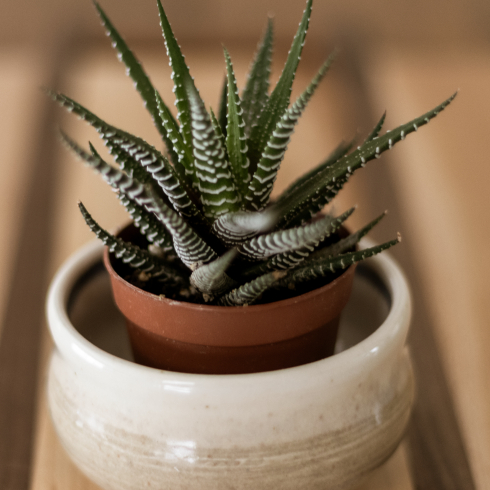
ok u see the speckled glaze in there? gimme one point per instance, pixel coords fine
(319, 426)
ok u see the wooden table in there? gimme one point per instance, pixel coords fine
(436, 188)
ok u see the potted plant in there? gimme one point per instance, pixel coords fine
(206, 232)
(215, 278)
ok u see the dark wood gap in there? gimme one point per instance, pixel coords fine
(24, 315)
(438, 457)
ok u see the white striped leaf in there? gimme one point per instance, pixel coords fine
(314, 269)
(235, 133)
(292, 258)
(146, 161)
(184, 163)
(133, 255)
(235, 228)
(215, 181)
(331, 179)
(279, 98)
(265, 175)
(141, 80)
(256, 91)
(341, 150)
(250, 292)
(211, 279)
(348, 242)
(190, 247)
(305, 238)
(180, 76)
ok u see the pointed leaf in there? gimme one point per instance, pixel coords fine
(314, 269)
(115, 177)
(211, 279)
(348, 242)
(190, 247)
(141, 80)
(285, 241)
(376, 130)
(215, 182)
(217, 127)
(279, 99)
(222, 110)
(180, 76)
(342, 149)
(148, 225)
(256, 92)
(265, 175)
(292, 258)
(331, 179)
(184, 162)
(145, 162)
(146, 222)
(235, 133)
(250, 292)
(132, 254)
(235, 228)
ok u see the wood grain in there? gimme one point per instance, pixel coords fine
(442, 180)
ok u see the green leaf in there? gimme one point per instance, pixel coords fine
(211, 279)
(235, 133)
(148, 225)
(217, 128)
(141, 80)
(375, 132)
(342, 149)
(251, 291)
(180, 76)
(279, 99)
(330, 180)
(184, 162)
(147, 163)
(265, 175)
(256, 92)
(131, 254)
(190, 247)
(222, 110)
(304, 238)
(215, 181)
(115, 177)
(235, 228)
(348, 242)
(313, 269)
(294, 256)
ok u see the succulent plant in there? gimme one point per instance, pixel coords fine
(211, 231)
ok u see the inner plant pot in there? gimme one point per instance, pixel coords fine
(204, 339)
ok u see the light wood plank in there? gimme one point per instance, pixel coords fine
(443, 177)
(20, 102)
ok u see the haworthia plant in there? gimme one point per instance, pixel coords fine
(209, 230)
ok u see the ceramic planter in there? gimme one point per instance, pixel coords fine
(322, 425)
(206, 339)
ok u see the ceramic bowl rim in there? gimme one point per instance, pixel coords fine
(395, 325)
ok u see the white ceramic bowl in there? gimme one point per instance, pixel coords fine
(323, 425)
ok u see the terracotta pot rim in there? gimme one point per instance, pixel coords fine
(216, 308)
(65, 334)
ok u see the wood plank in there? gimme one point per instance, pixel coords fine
(442, 181)
(25, 214)
(20, 102)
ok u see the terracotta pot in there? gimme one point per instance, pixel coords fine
(192, 338)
